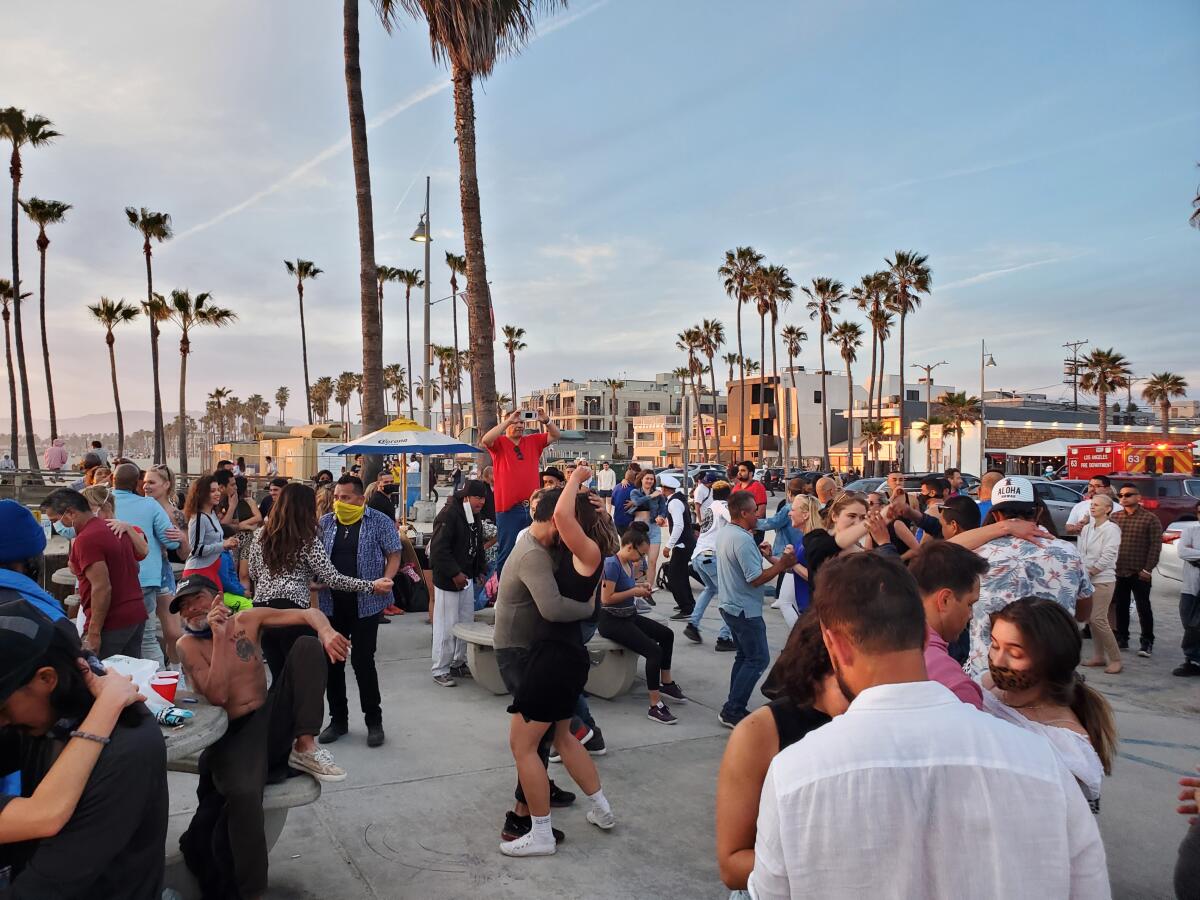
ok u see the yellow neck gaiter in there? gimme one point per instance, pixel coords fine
(347, 513)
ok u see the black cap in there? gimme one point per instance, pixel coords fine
(193, 584)
(553, 472)
(24, 636)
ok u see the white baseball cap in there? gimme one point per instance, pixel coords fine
(671, 481)
(1013, 490)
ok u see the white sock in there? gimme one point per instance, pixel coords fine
(541, 830)
(599, 801)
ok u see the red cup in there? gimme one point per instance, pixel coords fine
(165, 687)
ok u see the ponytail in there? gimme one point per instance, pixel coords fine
(1096, 716)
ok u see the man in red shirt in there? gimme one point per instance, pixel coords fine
(516, 458)
(110, 594)
(744, 481)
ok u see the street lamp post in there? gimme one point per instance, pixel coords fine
(424, 235)
(985, 360)
(928, 370)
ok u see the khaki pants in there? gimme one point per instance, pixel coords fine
(1104, 644)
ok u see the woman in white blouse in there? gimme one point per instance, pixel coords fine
(1032, 682)
(1098, 544)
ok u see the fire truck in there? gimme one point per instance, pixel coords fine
(1086, 460)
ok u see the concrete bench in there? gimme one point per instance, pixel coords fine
(300, 790)
(487, 614)
(613, 667)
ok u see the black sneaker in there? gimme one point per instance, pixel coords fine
(375, 736)
(595, 744)
(1123, 644)
(1146, 650)
(1189, 669)
(673, 691)
(725, 645)
(460, 672)
(650, 600)
(518, 826)
(560, 798)
(332, 732)
(680, 616)
(661, 714)
(692, 633)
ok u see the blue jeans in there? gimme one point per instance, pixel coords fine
(509, 524)
(150, 645)
(706, 567)
(751, 660)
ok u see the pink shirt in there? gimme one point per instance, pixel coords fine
(941, 667)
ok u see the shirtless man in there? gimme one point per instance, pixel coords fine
(268, 730)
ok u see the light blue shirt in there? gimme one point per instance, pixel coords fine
(739, 562)
(149, 516)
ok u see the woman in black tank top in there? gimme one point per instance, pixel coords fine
(557, 671)
(807, 697)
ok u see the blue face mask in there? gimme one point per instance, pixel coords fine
(68, 533)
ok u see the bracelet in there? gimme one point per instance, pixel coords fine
(88, 736)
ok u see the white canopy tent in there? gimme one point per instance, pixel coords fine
(1055, 447)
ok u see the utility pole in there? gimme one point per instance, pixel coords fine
(928, 370)
(1071, 369)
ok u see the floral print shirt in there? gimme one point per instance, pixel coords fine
(1020, 568)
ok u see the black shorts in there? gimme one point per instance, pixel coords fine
(554, 677)
(604, 493)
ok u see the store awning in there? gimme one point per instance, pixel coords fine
(1056, 447)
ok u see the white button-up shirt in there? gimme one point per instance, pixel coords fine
(912, 793)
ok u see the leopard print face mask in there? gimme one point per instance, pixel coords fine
(1012, 679)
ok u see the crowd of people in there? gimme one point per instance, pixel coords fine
(941, 631)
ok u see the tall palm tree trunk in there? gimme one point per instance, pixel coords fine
(159, 454)
(824, 410)
(184, 347)
(775, 383)
(870, 403)
(373, 414)
(799, 441)
(512, 375)
(412, 412)
(304, 352)
(1102, 397)
(849, 417)
(902, 437)
(112, 365)
(613, 410)
(762, 390)
(695, 380)
(744, 419)
(457, 362)
(879, 396)
(1165, 408)
(479, 307)
(22, 372)
(12, 386)
(712, 383)
(43, 243)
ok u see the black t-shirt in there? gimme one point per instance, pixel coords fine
(819, 545)
(264, 507)
(344, 553)
(112, 846)
(381, 502)
(573, 586)
(794, 722)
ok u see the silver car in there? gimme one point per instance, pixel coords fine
(1059, 500)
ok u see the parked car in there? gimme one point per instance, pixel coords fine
(1169, 564)
(1171, 497)
(1059, 502)
(866, 485)
(1075, 484)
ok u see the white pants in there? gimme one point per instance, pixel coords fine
(450, 608)
(787, 601)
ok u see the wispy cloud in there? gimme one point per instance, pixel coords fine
(342, 144)
(1008, 270)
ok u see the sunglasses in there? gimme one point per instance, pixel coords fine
(517, 451)
(1125, 494)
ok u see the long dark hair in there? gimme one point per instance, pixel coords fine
(198, 496)
(290, 528)
(1054, 644)
(803, 664)
(71, 698)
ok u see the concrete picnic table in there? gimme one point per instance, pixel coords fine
(204, 729)
(63, 576)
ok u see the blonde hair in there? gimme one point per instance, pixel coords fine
(324, 500)
(840, 502)
(99, 496)
(812, 508)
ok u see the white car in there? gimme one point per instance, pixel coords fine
(1169, 564)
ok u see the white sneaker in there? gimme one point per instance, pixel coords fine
(601, 819)
(318, 763)
(776, 604)
(527, 845)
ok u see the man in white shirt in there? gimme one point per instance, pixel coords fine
(606, 480)
(677, 548)
(911, 793)
(1081, 512)
(702, 495)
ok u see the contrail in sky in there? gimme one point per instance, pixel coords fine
(430, 90)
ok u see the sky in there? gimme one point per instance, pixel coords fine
(1042, 155)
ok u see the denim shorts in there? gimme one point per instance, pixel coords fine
(167, 588)
(655, 533)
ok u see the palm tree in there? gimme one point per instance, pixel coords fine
(848, 338)
(432, 388)
(458, 266)
(282, 395)
(152, 226)
(871, 437)
(110, 315)
(869, 295)
(190, 312)
(343, 390)
(737, 274)
(6, 303)
(43, 213)
(926, 426)
(712, 337)
(909, 276)
(752, 366)
(21, 130)
(825, 297)
(1103, 372)
(395, 379)
(370, 308)
(614, 385)
(731, 360)
(512, 345)
(881, 326)
(959, 410)
(218, 398)
(303, 270)
(1162, 388)
(410, 278)
(471, 35)
(502, 404)
(774, 288)
(793, 337)
(321, 394)
(256, 408)
(383, 274)
(689, 341)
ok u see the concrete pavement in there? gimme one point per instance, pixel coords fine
(421, 816)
